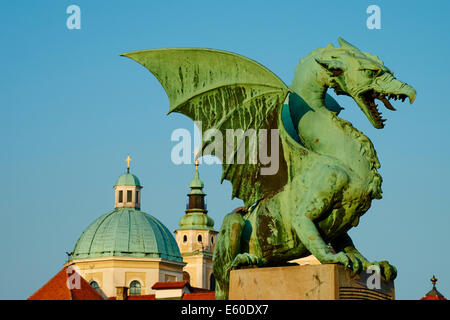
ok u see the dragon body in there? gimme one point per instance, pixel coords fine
(327, 175)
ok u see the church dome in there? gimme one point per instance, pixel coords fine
(126, 232)
(128, 179)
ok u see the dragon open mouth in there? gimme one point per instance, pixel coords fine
(368, 99)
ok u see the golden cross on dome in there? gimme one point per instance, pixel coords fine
(128, 159)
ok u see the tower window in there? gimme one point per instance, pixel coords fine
(129, 195)
(95, 285)
(199, 238)
(170, 278)
(135, 288)
(186, 276)
(137, 196)
(212, 240)
(120, 196)
(212, 282)
(185, 238)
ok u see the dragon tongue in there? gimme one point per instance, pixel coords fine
(386, 103)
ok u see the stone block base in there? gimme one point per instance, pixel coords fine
(307, 282)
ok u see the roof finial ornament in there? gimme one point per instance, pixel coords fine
(196, 165)
(433, 281)
(196, 162)
(128, 159)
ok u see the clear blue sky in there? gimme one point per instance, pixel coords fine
(72, 109)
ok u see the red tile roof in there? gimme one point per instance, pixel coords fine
(171, 285)
(187, 296)
(433, 294)
(433, 298)
(199, 296)
(143, 297)
(57, 289)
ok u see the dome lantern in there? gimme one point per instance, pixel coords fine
(128, 190)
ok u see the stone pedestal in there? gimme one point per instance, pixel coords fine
(307, 282)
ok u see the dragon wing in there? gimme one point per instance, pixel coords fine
(224, 91)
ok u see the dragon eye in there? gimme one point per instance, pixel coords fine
(372, 73)
(369, 73)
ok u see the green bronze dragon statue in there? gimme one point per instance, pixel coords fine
(327, 175)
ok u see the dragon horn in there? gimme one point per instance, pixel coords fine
(346, 45)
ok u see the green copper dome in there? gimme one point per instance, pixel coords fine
(128, 179)
(196, 220)
(126, 232)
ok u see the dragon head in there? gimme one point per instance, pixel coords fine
(363, 77)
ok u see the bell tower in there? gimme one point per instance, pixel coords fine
(196, 237)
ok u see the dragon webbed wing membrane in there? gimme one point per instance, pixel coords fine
(224, 91)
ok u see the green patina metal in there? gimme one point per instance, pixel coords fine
(196, 185)
(327, 175)
(195, 220)
(128, 179)
(126, 232)
(196, 217)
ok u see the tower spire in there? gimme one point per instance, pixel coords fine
(196, 184)
(196, 206)
(196, 236)
(433, 294)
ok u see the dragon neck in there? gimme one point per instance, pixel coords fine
(323, 132)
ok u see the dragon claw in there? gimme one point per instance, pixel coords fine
(356, 264)
(388, 271)
(247, 259)
(349, 261)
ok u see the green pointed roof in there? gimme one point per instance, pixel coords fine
(196, 217)
(196, 184)
(126, 232)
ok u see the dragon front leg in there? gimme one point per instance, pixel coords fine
(312, 240)
(325, 183)
(228, 253)
(345, 244)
